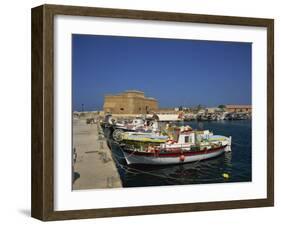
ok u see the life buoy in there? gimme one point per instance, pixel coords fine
(182, 157)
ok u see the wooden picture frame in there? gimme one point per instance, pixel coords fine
(43, 112)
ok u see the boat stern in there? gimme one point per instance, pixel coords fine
(228, 146)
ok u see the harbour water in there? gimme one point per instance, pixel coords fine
(234, 166)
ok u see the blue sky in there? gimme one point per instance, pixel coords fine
(176, 72)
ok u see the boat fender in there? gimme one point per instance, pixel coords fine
(156, 153)
(149, 148)
(182, 157)
(225, 175)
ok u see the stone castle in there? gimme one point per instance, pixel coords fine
(129, 102)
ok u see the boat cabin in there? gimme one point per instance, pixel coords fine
(193, 136)
(186, 138)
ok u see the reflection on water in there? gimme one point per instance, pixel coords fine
(236, 164)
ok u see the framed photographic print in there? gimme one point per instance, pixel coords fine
(141, 112)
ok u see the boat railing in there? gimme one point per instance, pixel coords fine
(185, 146)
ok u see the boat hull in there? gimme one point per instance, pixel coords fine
(171, 158)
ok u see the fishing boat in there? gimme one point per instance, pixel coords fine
(129, 125)
(187, 146)
(139, 125)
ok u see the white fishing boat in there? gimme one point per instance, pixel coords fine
(189, 146)
(139, 125)
(131, 125)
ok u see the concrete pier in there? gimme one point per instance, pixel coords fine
(93, 165)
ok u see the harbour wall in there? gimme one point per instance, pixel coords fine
(93, 164)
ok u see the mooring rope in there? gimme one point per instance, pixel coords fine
(241, 145)
(128, 169)
(165, 176)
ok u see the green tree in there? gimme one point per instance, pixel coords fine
(221, 106)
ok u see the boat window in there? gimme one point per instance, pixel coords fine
(186, 139)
